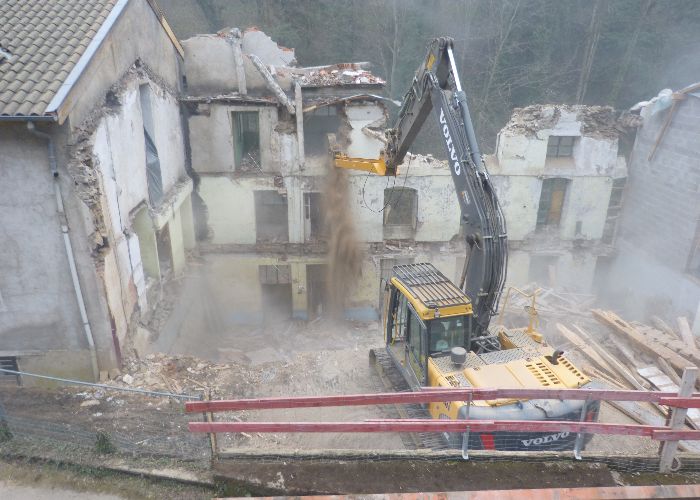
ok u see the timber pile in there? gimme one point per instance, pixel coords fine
(632, 355)
(549, 304)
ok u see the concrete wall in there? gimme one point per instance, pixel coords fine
(660, 215)
(231, 207)
(203, 53)
(211, 138)
(39, 318)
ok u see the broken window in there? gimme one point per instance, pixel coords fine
(276, 289)
(246, 135)
(551, 202)
(154, 178)
(614, 210)
(271, 223)
(275, 275)
(313, 216)
(694, 257)
(558, 146)
(400, 207)
(317, 125)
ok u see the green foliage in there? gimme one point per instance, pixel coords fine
(511, 53)
(5, 434)
(103, 443)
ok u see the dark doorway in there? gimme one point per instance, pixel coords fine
(316, 282)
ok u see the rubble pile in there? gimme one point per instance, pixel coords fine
(596, 121)
(329, 77)
(184, 375)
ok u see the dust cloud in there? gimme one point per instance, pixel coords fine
(344, 250)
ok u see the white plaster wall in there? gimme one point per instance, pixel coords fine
(211, 139)
(120, 149)
(586, 201)
(210, 67)
(360, 116)
(437, 212)
(519, 197)
(168, 136)
(118, 145)
(231, 205)
(520, 154)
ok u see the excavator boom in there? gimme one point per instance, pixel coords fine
(436, 86)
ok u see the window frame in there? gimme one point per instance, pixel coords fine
(555, 148)
(548, 189)
(239, 129)
(398, 193)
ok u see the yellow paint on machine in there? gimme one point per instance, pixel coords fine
(377, 166)
(530, 373)
(427, 313)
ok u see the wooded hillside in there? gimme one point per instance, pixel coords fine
(511, 53)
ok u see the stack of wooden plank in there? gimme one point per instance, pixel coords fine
(677, 351)
(550, 303)
(632, 355)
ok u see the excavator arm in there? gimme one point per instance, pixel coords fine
(436, 86)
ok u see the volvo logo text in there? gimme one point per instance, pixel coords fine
(448, 142)
(545, 439)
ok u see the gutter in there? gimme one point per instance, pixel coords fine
(69, 248)
(84, 60)
(28, 118)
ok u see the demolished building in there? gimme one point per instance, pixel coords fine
(221, 143)
(560, 179)
(259, 133)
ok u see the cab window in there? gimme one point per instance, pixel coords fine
(447, 333)
(417, 338)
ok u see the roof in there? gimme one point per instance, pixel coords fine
(46, 46)
(428, 290)
(46, 40)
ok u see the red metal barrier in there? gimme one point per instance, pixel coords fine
(440, 395)
(429, 425)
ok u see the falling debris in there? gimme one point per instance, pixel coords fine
(344, 250)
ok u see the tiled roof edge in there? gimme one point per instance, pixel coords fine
(85, 58)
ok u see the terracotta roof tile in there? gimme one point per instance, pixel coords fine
(47, 38)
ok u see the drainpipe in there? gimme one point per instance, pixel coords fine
(69, 247)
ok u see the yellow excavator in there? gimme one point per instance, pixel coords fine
(438, 333)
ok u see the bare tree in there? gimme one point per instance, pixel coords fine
(592, 38)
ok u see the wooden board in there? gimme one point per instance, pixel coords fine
(639, 412)
(617, 367)
(585, 349)
(686, 334)
(663, 383)
(649, 345)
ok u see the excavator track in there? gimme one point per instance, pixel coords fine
(392, 380)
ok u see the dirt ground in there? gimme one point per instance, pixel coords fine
(31, 480)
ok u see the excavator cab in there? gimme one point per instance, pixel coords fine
(425, 315)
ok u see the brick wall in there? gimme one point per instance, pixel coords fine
(660, 213)
(662, 202)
